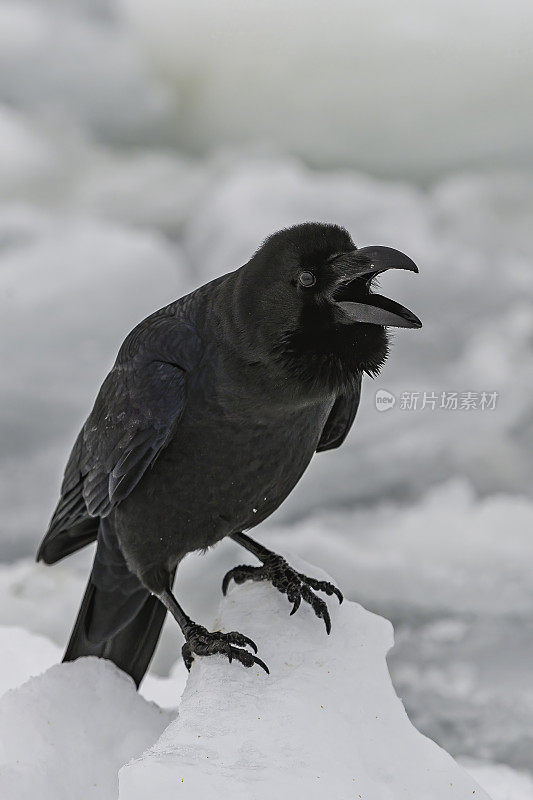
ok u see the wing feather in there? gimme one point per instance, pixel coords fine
(340, 419)
(134, 416)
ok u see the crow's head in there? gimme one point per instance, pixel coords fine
(310, 290)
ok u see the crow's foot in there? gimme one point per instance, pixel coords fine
(295, 585)
(201, 642)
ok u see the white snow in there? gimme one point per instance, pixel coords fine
(68, 732)
(325, 722)
(65, 734)
(502, 782)
(453, 573)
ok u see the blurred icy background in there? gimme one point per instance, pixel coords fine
(148, 145)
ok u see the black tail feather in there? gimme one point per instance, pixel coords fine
(131, 647)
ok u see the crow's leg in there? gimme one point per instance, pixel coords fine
(201, 642)
(275, 569)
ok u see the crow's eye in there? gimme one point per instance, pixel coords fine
(306, 279)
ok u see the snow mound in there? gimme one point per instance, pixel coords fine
(65, 734)
(325, 722)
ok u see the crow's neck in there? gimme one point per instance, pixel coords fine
(333, 358)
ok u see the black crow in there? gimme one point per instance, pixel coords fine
(208, 419)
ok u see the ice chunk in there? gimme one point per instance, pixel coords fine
(325, 722)
(65, 734)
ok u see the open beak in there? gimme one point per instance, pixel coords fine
(353, 299)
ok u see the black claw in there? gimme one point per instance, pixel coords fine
(327, 620)
(262, 664)
(336, 592)
(203, 643)
(234, 637)
(247, 659)
(318, 606)
(295, 585)
(187, 656)
(225, 582)
(322, 586)
(240, 574)
(251, 643)
(238, 638)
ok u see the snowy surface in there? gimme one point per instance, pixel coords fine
(68, 732)
(326, 720)
(453, 573)
(65, 734)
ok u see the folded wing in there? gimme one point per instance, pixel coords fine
(135, 415)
